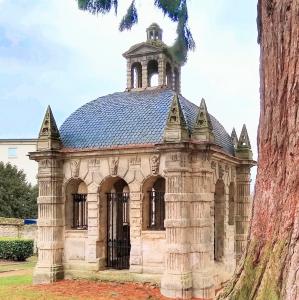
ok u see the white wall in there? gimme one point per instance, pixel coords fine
(21, 160)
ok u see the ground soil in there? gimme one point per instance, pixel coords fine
(84, 289)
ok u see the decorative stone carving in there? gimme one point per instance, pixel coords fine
(135, 161)
(114, 165)
(213, 165)
(155, 163)
(75, 166)
(45, 163)
(226, 168)
(94, 163)
(220, 171)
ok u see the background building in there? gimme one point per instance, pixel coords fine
(15, 151)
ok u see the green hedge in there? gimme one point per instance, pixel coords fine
(15, 249)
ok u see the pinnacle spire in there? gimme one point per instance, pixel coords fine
(244, 138)
(243, 150)
(234, 138)
(203, 129)
(49, 137)
(176, 129)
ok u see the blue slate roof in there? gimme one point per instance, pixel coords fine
(129, 118)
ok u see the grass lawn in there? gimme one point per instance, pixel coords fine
(16, 281)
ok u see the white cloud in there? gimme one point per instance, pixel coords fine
(78, 57)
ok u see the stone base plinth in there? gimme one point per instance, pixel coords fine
(203, 285)
(178, 286)
(47, 274)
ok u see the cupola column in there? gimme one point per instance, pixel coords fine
(201, 227)
(144, 73)
(177, 278)
(161, 71)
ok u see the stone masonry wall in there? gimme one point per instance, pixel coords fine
(10, 227)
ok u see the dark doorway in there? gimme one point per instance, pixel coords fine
(118, 227)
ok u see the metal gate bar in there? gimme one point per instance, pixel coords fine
(118, 235)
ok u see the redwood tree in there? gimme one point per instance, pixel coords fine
(270, 267)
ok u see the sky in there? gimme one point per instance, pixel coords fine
(53, 53)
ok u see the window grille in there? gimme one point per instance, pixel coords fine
(79, 211)
(156, 210)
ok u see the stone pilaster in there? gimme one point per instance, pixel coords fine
(49, 266)
(129, 75)
(177, 279)
(144, 73)
(161, 71)
(201, 233)
(242, 208)
(135, 228)
(92, 256)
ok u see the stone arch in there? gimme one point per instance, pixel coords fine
(76, 205)
(153, 204)
(219, 214)
(169, 76)
(231, 204)
(153, 73)
(114, 219)
(136, 75)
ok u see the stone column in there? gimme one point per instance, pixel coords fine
(242, 208)
(177, 279)
(49, 266)
(129, 75)
(229, 257)
(144, 73)
(161, 70)
(201, 234)
(135, 227)
(92, 256)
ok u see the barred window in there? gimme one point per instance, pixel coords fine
(153, 204)
(156, 209)
(79, 211)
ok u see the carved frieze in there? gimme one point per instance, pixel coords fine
(113, 164)
(45, 163)
(94, 163)
(135, 161)
(155, 163)
(220, 171)
(75, 167)
(213, 165)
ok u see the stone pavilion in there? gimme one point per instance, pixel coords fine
(143, 180)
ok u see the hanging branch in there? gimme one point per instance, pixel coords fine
(175, 10)
(130, 18)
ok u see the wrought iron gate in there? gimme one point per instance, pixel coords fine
(118, 238)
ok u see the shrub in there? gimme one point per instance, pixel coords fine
(15, 248)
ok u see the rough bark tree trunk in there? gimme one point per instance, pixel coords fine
(270, 267)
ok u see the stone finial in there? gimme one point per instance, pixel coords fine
(176, 129)
(203, 129)
(234, 138)
(49, 138)
(244, 148)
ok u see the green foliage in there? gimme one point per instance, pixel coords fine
(130, 18)
(15, 249)
(175, 10)
(17, 197)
